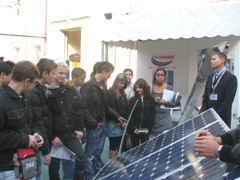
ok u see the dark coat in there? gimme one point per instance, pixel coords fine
(42, 115)
(143, 114)
(95, 104)
(119, 104)
(226, 91)
(15, 125)
(230, 151)
(67, 110)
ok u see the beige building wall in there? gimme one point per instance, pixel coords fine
(22, 32)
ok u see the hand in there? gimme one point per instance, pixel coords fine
(123, 124)
(32, 141)
(206, 133)
(99, 124)
(57, 142)
(163, 101)
(136, 132)
(206, 146)
(157, 99)
(147, 131)
(202, 133)
(121, 119)
(47, 159)
(39, 144)
(79, 134)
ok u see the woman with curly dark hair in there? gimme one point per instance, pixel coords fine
(143, 114)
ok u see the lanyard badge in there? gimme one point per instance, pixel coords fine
(215, 81)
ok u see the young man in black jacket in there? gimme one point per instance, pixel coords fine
(68, 122)
(16, 129)
(96, 109)
(41, 109)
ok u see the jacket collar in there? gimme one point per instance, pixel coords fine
(94, 81)
(12, 93)
(54, 85)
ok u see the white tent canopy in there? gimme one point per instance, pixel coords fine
(210, 20)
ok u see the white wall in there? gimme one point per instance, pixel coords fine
(91, 51)
(55, 43)
(179, 48)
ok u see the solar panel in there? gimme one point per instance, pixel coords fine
(172, 156)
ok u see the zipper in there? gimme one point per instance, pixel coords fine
(142, 114)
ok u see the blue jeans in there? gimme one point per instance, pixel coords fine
(10, 175)
(39, 164)
(93, 151)
(68, 169)
(83, 139)
(72, 143)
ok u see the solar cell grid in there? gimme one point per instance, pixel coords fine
(171, 155)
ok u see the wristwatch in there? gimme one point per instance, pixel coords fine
(218, 151)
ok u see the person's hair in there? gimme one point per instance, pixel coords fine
(128, 69)
(222, 56)
(104, 66)
(119, 77)
(6, 67)
(141, 83)
(154, 76)
(77, 72)
(47, 65)
(62, 64)
(23, 70)
(95, 69)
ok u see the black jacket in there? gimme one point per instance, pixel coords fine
(230, 151)
(42, 115)
(143, 114)
(119, 104)
(15, 125)
(67, 110)
(225, 91)
(95, 104)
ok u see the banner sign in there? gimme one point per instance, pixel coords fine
(164, 61)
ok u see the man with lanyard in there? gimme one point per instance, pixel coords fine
(220, 89)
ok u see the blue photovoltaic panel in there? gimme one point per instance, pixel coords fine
(172, 156)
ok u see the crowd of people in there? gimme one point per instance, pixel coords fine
(38, 102)
(63, 112)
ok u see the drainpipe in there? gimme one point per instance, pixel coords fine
(45, 39)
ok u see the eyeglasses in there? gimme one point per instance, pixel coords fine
(160, 75)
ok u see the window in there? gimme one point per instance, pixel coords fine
(16, 54)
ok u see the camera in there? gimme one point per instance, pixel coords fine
(38, 139)
(142, 131)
